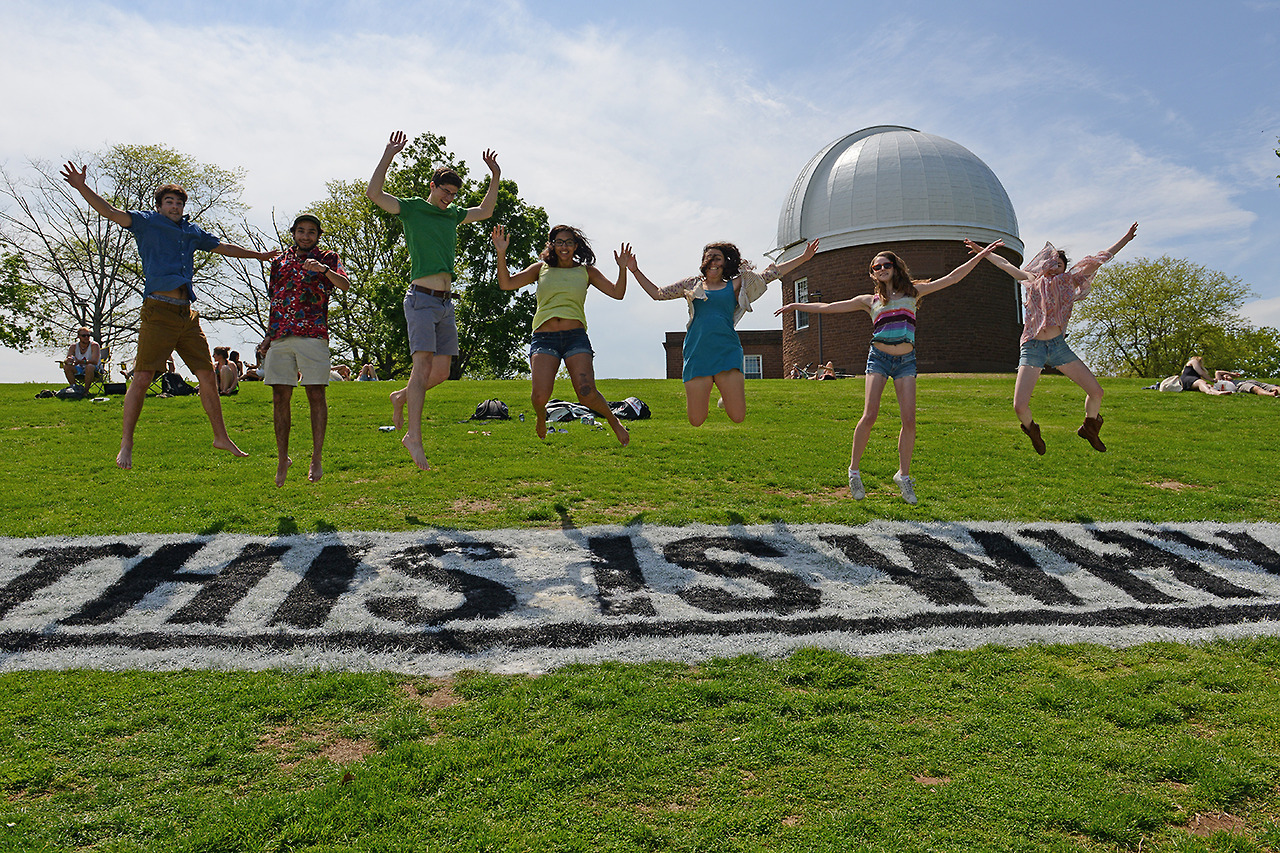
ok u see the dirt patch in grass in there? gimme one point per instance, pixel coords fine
(438, 695)
(1204, 824)
(479, 506)
(932, 781)
(1173, 485)
(292, 748)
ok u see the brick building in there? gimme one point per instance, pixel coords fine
(761, 353)
(918, 195)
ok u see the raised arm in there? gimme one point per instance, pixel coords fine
(671, 291)
(1002, 263)
(618, 288)
(485, 210)
(1125, 240)
(507, 281)
(844, 306)
(78, 178)
(231, 250)
(959, 272)
(809, 251)
(375, 192)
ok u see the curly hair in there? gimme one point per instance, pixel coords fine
(901, 281)
(582, 254)
(732, 259)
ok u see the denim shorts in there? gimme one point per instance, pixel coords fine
(893, 366)
(1053, 352)
(561, 344)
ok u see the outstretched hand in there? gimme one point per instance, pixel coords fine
(500, 239)
(78, 178)
(396, 144)
(624, 258)
(809, 251)
(491, 160)
(786, 309)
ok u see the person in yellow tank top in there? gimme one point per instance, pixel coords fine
(564, 274)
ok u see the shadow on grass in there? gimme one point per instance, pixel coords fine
(213, 528)
(322, 526)
(566, 522)
(286, 526)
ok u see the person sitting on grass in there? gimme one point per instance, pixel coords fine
(1195, 377)
(368, 373)
(83, 358)
(228, 377)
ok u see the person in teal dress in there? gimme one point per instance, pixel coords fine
(718, 298)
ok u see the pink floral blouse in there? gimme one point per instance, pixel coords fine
(1049, 301)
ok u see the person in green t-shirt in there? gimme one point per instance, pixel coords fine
(431, 235)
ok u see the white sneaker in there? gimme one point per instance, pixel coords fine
(855, 485)
(907, 486)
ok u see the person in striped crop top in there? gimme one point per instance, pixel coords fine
(892, 306)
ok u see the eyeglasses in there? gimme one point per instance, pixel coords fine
(567, 244)
(878, 267)
(85, 335)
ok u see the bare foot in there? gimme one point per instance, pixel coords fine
(316, 472)
(540, 425)
(416, 451)
(397, 408)
(624, 437)
(228, 445)
(124, 459)
(282, 468)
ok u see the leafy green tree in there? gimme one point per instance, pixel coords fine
(367, 322)
(1147, 317)
(82, 269)
(19, 303)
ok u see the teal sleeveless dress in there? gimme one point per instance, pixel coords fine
(711, 343)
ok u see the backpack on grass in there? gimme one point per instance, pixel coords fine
(631, 409)
(491, 410)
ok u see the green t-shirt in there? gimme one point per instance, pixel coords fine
(431, 234)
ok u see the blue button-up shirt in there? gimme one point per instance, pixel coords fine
(167, 249)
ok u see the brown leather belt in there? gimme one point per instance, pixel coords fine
(438, 294)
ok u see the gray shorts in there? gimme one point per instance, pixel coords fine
(432, 327)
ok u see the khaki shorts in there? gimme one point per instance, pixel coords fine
(291, 355)
(164, 329)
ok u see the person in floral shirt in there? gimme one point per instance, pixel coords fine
(297, 341)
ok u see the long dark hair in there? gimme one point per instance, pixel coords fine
(582, 254)
(901, 280)
(732, 259)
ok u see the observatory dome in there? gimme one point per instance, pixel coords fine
(891, 184)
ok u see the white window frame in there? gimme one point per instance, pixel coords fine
(802, 295)
(753, 366)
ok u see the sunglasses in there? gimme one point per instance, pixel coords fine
(878, 267)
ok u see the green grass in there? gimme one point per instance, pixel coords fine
(1043, 748)
(1172, 457)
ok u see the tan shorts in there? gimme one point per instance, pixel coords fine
(164, 329)
(291, 355)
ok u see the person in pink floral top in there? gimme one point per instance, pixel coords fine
(1052, 290)
(297, 341)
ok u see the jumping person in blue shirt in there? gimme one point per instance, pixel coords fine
(167, 243)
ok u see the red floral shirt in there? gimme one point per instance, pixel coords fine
(300, 299)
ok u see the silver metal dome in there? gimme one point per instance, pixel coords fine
(888, 183)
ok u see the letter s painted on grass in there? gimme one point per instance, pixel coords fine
(790, 594)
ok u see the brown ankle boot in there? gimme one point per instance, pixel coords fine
(1033, 433)
(1089, 432)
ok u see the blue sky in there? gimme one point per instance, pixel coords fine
(670, 124)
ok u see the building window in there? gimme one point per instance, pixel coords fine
(802, 295)
(1017, 297)
(752, 367)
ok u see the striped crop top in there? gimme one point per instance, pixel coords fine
(894, 321)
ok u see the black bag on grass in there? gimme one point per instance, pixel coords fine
(491, 410)
(631, 409)
(71, 392)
